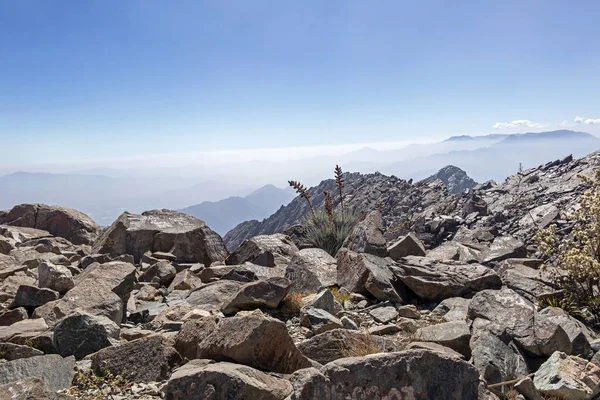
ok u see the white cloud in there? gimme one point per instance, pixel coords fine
(588, 121)
(564, 124)
(519, 123)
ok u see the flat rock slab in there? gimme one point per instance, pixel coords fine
(384, 314)
(56, 372)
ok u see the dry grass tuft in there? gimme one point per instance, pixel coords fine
(292, 303)
(360, 346)
(340, 297)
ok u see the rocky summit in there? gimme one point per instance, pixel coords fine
(434, 295)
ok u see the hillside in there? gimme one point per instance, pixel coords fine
(223, 215)
(455, 179)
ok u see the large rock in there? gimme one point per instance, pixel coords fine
(28, 389)
(453, 309)
(81, 334)
(579, 335)
(31, 297)
(568, 377)
(534, 333)
(367, 236)
(495, 354)
(187, 238)
(213, 295)
(54, 371)
(193, 331)
(185, 280)
(370, 275)
(341, 343)
(318, 320)
(206, 379)
(55, 277)
(254, 340)
(410, 374)
(504, 247)
(409, 245)
(64, 222)
(259, 294)
(143, 360)
(264, 250)
(161, 273)
(311, 269)
(455, 335)
(438, 281)
(102, 289)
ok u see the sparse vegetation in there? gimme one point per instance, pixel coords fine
(88, 385)
(360, 346)
(292, 303)
(575, 260)
(327, 229)
(341, 297)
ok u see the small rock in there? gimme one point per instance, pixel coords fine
(384, 314)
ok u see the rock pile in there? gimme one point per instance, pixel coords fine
(156, 307)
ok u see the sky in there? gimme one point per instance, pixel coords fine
(109, 80)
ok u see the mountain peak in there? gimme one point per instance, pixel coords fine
(455, 179)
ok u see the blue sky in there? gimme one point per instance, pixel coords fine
(95, 79)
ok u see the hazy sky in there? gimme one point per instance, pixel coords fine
(86, 80)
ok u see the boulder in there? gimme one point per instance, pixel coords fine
(453, 309)
(568, 377)
(535, 334)
(54, 371)
(28, 389)
(367, 236)
(528, 282)
(191, 333)
(185, 280)
(259, 294)
(213, 295)
(340, 343)
(411, 374)
(254, 340)
(187, 238)
(370, 275)
(455, 335)
(63, 222)
(323, 300)
(264, 250)
(9, 317)
(409, 245)
(7, 333)
(579, 335)
(494, 353)
(11, 351)
(81, 334)
(161, 273)
(31, 297)
(206, 379)
(143, 360)
(438, 281)
(435, 347)
(504, 247)
(311, 269)
(384, 314)
(318, 320)
(55, 277)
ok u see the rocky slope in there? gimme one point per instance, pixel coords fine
(157, 308)
(455, 179)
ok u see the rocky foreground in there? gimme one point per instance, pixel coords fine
(434, 297)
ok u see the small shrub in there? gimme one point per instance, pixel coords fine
(340, 297)
(328, 232)
(292, 303)
(327, 229)
(360, 346)
(575, 260)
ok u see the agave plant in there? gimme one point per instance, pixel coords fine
(327, 229)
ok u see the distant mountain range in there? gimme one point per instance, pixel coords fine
(224, 215)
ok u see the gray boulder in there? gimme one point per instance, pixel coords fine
(568, 377)
(187, 238)
(318, 320)
(370, 275)
(213, 296)
(438, 281)
(264, 250)
(579, 335)
(259, 294)
(504, 247)
(31, 297)
(455, 335)
(413, 374)
(254, 340)
(409, 245)
(161, 273)
(185, 280)
(63, 222)
(453, 309)
(11, 351)
(149, 359)
(54, 371)
(311, 269)
(55, 277)
(80, 335)
(206, 379)
(28, 389)
(367, 236)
